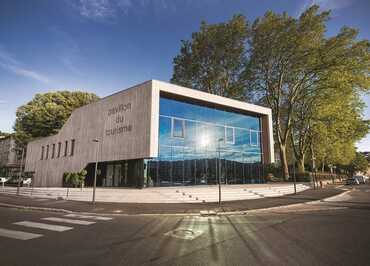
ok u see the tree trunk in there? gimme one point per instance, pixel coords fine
(284, 161)
(300, 163)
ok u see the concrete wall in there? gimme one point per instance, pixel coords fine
(121, 122)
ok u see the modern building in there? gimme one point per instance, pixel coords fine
(10, 159)
(158, 134)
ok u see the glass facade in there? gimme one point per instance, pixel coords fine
(197, 143)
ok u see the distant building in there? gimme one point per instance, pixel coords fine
(158, 134)
(10, 160)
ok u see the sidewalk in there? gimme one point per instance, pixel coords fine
(180, 194)
(168, 208)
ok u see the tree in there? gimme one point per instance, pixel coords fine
(329, 122)
(46, 113)
(289, 58)
(358, 164)
(214, 59)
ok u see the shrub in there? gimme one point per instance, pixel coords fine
(74, 179)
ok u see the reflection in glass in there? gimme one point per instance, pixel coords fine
(193, 139)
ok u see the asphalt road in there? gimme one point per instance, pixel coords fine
(336, 232)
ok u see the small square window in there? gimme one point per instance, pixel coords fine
(178, 128)
(254, 138)
(230, 135)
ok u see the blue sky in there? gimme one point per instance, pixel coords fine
(103, 46)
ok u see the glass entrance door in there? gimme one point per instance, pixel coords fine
(117, 175)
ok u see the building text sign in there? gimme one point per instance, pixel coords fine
(119, 113)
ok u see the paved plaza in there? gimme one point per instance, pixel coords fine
(181, 194)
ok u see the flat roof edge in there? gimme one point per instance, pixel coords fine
(207, 97)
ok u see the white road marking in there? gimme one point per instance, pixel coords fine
(100, 218)
(70, 221)
(184, 233)
(51, 227)
(18, 234)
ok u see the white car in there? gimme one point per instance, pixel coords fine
(360, 178)
(27, 181)
(3, 179)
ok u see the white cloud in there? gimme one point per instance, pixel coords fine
(108, 10)
(96, 9)
(10, 63)
(102, 9)
(325, 5)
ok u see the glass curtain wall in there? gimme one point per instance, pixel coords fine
(195, 141)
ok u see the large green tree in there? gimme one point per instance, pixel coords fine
(291, 66)
(46, 113)
(214, 59)
(358, 164)
(290, 57)
(330, 121)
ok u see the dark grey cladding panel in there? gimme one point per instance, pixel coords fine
(121, 122)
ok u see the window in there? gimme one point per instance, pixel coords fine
(230, 135)
(254, 138)
(72, 147)
(53, 152)
(59, 148)
(47, 152)
(66, 148)
(178, 128)
(42, 152)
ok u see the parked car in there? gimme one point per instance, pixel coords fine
(26, 182)
(361, 179)
(352, 181)
(13, 181)
(3, 180)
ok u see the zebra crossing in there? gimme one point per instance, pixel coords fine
(55, 224)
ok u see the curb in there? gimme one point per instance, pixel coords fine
(285, 206)
(205, 213)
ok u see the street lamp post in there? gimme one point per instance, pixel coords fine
(294, 178)
(204, 140)
(219, 172)
(20, 170)
(96, 169)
